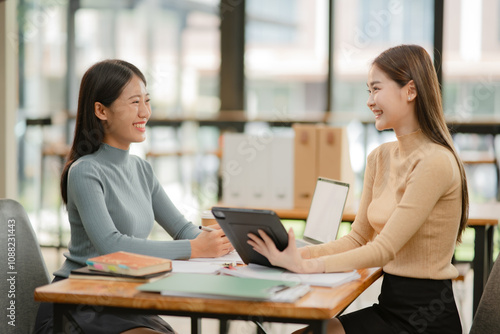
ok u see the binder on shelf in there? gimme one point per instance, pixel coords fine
(233, 169)
(257, 170)
(282, 172)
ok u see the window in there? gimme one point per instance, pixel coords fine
(471, 84)
(363, 29)
(286, 57)
(42, 62)
(471, 53)
(175, 44)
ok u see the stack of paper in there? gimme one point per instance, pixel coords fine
(179, 266)
(206, 265)
(232, 257)
(263, 272)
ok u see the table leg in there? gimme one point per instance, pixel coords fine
(319, 327)
(58, 318)
(223, 326)
(483, 256)
(195, 325)
(490, 231)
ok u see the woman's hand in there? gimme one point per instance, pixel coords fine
(290, 258)
(211, 244)
(305, 252)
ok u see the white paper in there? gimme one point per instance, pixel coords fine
(206, 265)
(263, 272)
(195, 267)
(232, 257)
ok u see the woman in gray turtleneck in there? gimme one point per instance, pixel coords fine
(113, 198)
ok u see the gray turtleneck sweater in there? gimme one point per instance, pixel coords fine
(113, 201)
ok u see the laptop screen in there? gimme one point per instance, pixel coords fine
(325, 213)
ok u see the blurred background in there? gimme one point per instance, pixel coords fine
(242, 65)
(284, 60)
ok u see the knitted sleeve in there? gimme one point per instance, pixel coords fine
(426, 183)
(85, 187)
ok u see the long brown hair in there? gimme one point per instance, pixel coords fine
(404, 63)
(103, 82)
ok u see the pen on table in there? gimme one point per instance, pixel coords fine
(206, 229)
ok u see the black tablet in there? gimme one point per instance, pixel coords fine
(237, 223)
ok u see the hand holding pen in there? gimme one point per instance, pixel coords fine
(206, 228)
(212, 242)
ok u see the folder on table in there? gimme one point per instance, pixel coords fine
(226, 287)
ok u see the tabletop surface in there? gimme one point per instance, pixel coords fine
(479, 214)
(319, 303)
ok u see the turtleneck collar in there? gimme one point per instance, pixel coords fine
(113, 154)
(410, 142)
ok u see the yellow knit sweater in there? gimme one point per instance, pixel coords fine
(409, 213)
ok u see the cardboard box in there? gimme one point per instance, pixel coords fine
(280, 172)
(305, 163)
(334, 160)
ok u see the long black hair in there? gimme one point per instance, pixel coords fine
(103, 82)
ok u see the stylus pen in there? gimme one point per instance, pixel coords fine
(206, 229)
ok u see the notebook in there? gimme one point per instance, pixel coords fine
(129, 263)
(325, 213)
(227, 287)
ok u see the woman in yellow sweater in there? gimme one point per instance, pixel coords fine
(412, 212)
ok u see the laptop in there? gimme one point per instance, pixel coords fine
(325, 213)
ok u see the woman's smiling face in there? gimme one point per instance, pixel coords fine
(392, 105)
(126, 118)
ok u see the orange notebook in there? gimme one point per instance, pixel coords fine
(129, 264)
(87, 273)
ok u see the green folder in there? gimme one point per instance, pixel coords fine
(226, 287)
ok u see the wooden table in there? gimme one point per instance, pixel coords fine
(315, 308)
(483, 218)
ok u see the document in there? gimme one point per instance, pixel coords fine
(179, 266)
(263, 272)
(206, 265)
(232, 257)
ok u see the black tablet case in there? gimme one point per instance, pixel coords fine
(237, 223)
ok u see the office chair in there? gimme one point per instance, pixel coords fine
(487, 318)
(22, 267)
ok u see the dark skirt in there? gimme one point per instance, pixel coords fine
(91, 319)
(408, 305)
